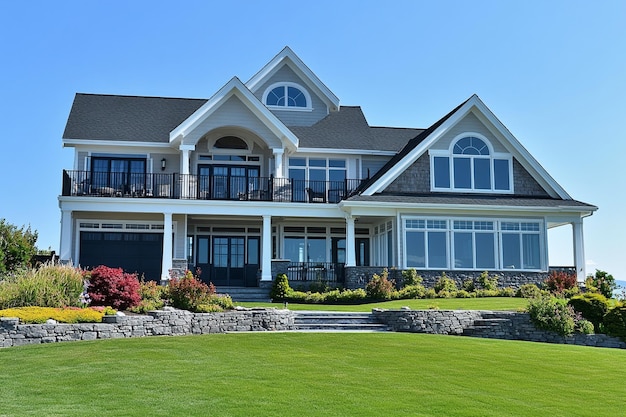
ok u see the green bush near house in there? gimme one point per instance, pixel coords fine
(592, 306)
(280, 288)
(615, 321)
(50, 285)
(445, 284)
(380, 287)
(189, 293)
(553, 314)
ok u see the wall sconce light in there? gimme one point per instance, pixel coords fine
(163, 161)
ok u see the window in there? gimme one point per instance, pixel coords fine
(325, 177)
(471, 166)
(470, 244)
(120, 174)
(426, 244)
(288, 96)
(521, 245)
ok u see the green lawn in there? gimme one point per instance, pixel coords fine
(486, 303)
(311, 374)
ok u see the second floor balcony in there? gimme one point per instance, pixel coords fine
(200, 187)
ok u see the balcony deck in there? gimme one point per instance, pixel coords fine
(195, 187)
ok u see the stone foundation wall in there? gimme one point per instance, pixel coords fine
(156, 323)
(509, 325)
(358, 277)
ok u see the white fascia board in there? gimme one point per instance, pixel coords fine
(416, 152)
(370, 207)
(67, 143)
(521, 153)
(199, 207)
(296, 64)
(347, 151)
(237, 88)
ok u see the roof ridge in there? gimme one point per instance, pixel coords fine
(141, 96)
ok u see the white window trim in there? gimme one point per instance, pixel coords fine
(309, 103)
(450, 155)
(542, 233)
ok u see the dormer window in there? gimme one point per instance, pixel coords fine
(287, 96)
(471, 165)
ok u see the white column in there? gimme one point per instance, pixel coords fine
(350, 248)
(278, 163)
(266, 252)
(184, 158)
(65, 246)
(579, 250)
(166, 265)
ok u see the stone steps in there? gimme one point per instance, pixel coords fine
(491, 325)
(336, 321)
(252, 294)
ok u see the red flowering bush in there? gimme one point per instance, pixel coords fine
(559, 281)
(113, 287)
(189, 293)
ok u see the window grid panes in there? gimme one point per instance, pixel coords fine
(286, 96)
(473, 244)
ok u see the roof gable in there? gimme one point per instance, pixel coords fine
(421, 143)
(289, 58)
(235, 88)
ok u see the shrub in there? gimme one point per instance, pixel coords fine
(488, 283)
(615, 322)
(584, 327)
(189, 293)
(280, 288)
(113, 287)
(506, 292)
(51, 285)
(465, 294)
(444, 283)
(592, 306)
(601, 282)
(380, 287)
(62, 315)
(412, 292)
(410, 277)
(529, 291)
(319, 286)
(559, 281)
(469, 285)
(152, 297)
(553, 314)
(430, 293)
(17, 246)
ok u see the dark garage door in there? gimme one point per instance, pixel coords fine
(133, 252)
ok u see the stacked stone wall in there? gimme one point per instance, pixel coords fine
(156, 323)
(507, 325)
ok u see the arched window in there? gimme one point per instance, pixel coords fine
(471, 166)
(288, 96)
(230, 142)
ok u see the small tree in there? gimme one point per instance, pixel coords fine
(280, 288)
(602, 282)
(17, 246)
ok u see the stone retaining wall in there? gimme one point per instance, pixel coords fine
(506, 325)
(156, 323)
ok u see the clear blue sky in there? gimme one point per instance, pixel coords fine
(554, 72)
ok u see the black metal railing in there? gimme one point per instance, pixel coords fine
(200, 187)
(316, 271)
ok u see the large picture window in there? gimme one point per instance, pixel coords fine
(471, 166)
(469, 244)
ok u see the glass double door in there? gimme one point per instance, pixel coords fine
(225, 261)
(228, 182)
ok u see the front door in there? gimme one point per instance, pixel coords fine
(362, 251)
(228, 261)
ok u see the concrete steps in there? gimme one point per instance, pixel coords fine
(336, 322)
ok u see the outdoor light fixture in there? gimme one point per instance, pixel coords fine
(163, 161)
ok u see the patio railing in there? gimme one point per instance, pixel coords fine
(329, 272)
(199, 187)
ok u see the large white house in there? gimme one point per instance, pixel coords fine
(275, 175)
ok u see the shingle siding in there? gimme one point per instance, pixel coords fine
(370, 165)
(524, 184)
(415, 179)
(294, 118)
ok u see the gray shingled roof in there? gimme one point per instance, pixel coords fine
(479, 200)
(348, 129)
(151, 119)
(127, 118)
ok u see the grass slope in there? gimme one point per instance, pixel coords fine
(486, 303)
(310, 374)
